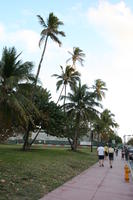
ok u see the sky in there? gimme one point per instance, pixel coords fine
(103, 29)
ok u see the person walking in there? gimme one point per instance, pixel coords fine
(116, 151)
(122, 154)
(100, 152)
(111, 155)
(106, 152)
(126, 153)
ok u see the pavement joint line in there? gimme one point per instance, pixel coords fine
(99, 185)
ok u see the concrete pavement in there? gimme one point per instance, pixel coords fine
(96, 183)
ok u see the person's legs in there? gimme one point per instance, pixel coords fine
(110, 159)
(102, 161)
(100, 164)
(110, 163)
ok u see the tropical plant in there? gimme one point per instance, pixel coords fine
(82, 109)
(51, 116)
(76, 56)
(105, 125)
(50, 29)
(130, 142)
(15, 109)
(99, 89)
(68, 77)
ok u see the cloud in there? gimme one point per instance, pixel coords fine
(28, 38)
(114, 22)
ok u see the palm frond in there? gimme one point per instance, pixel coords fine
(41, 21)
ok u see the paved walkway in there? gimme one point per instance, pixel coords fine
(96, 183)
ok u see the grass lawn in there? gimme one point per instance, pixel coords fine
(30, 175)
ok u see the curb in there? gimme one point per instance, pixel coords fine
(131, 169)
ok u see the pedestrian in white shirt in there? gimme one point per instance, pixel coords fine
(100, 152)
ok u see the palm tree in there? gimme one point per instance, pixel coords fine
(50, 29)
(68, 77)
(15, 108)
(77, 55)
(99, 89)
(81, 108)
(105, 125)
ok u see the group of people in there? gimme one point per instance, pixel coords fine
(105, 153)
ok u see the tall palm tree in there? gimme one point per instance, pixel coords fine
(99, 89)
(76, 55)
(15, 108)
(81, 107)
(50, 29)
(68, 77)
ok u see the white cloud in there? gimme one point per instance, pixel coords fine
(115, 23)
(116, 20)
(28, 38)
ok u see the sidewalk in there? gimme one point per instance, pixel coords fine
(96, 183)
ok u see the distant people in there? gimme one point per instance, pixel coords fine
(111, 155)
(116, 151)
(106, 151)
(126, 153)
(122, 154)
(100, 152)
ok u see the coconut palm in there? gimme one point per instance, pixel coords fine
(99, 89)
(77, 55)
(105, 125)
(68, 77)
(108, 119)
(50, 29)
(81, 108)
(15, 108)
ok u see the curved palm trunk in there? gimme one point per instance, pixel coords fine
(60, 94)
(73, 65)
(39, 66)
(26, 142)
(65, 98)
(35, 137)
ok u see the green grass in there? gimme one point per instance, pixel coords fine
(30, 175)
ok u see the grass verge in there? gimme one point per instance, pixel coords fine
(30, 175)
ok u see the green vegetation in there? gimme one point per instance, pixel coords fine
(30, 175)
(26, 107)
(130, 142)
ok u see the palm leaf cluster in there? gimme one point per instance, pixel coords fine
(15, 108)
(76, 56)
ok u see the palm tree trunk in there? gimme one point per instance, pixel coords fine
(75, 141)
(91, 141)
(76, 133)
(35, 137)
(65, 98)
(39, 66)
(71, 144)
(26, 143)
(60, 94)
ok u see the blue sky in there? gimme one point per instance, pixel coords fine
(103, 29)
